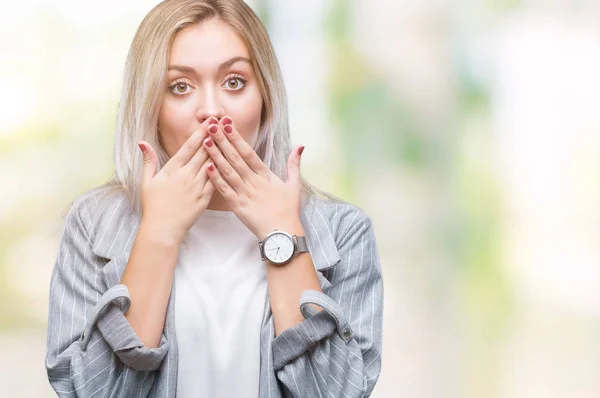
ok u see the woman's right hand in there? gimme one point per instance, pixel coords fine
(173, 199)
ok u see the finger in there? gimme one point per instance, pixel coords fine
(191, 146)
(220, 184)
(204, 185)
(209, 188)
(201, 177)
(244, 149)
(230, 153)
(225, 169)
(293, 165)
(150, 161)
(198, 160)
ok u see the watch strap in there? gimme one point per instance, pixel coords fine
(301, 244)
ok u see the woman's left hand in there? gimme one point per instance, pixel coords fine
(258, 197)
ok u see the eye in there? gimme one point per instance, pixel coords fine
(179, 88)
(234, 83)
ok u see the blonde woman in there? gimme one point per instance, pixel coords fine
(207, 267)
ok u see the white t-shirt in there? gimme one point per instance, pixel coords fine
(221, 292)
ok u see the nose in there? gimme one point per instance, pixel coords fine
(209, 105)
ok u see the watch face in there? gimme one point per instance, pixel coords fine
(278, 248)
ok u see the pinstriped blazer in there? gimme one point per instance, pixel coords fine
(92, 351)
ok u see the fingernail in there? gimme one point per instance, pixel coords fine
(211, 167)
(213, 120)
(300, 150)
(228, 129)
(209, 142)
(213, 129)
(141, 146)
(226, 121)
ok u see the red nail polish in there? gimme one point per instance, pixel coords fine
(226, 121)
(213, 120)
(300, 150)
(211, 167)
(213, 129)
(209, 143)
(228, 129)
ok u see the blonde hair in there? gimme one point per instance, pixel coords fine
(145, 79)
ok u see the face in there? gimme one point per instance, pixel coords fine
(210, 74)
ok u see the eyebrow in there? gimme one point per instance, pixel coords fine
(224, 65)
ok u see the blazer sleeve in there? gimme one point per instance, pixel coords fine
(92, 350)
(336, 352)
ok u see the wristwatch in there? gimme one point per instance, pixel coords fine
(279, 247)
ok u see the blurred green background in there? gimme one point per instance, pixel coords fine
(468, 131)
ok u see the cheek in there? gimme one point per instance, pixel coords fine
(173, 122)
(246, 116)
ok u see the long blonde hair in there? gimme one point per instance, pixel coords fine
(145, 78)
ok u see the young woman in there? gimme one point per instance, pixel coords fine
(208, 267)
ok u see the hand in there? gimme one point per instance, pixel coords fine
(173, 199)
(256, 195)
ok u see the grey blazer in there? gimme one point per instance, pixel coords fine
(92, 351)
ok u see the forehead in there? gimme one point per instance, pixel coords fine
(206, 44)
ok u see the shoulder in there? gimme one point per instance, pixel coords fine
(343, 219)
(101, 211)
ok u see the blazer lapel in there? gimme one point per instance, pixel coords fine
(319, 235)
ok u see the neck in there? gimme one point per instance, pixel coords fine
(217, 202)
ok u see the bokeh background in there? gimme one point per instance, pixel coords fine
(467, 130)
